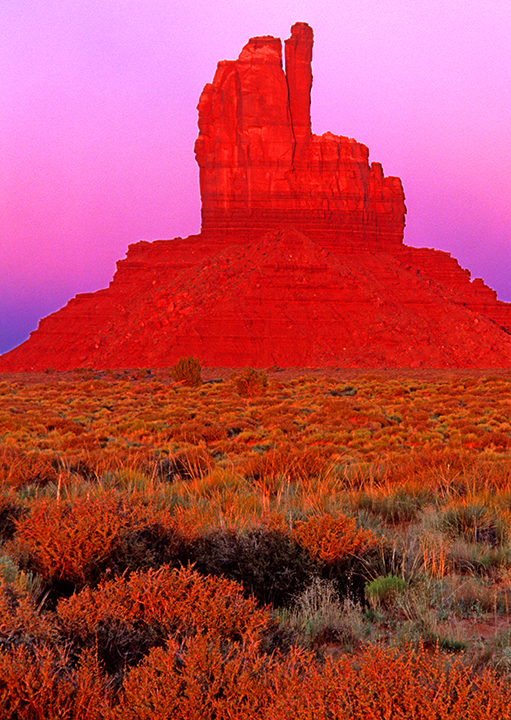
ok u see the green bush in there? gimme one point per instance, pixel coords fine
(382, 591)
(187, 370)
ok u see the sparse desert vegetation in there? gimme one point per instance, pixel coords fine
(255, 546)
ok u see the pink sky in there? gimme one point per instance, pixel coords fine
(98, 117)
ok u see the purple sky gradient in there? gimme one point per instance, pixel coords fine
(98, 117)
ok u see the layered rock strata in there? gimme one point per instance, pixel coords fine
(261, 166)
(300, 261)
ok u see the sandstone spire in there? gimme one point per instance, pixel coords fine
(298, 53)
(261, 167)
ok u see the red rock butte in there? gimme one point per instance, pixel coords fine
(261, 167)
(300, 261)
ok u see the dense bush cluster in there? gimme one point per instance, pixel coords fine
(308, 548)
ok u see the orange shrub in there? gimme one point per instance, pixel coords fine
(20, 621)
(250, 382)
(332, 538)
(167, 599)
(40, 684)
(206, 677)
(187, 370)
(203, 678)
(19, 468)
(385, 683)
(72, 541)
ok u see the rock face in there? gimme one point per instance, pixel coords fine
(300, 261)
(261, 167)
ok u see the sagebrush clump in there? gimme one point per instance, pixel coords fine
(251, 382)
(187, 370)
